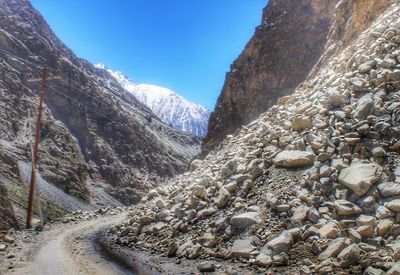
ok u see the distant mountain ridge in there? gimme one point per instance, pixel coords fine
(171, 108)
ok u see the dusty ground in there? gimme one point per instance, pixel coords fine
(60, 249)
(75, 248)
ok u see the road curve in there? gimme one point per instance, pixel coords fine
(68, 250)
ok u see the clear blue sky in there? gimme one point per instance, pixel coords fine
(184, 45)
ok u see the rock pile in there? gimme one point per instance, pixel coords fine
(312, 186)
(80, 215)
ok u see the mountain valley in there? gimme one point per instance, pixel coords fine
(298, 171)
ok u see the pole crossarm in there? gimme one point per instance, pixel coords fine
(55, 77)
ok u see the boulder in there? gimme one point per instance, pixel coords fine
(245, 220)
(242, 248)
(396, 250)
(207, 240)
(365, 107)
(301, 123)
(333, 249)
(294, 159)
(349, 256)
(389, 189)
(334, 99)
(204, 213)
(360, 177)
(279, 244)
(383, 226)
(394, 205)
(262, 260)
(346, 208)
(395, 270)
(223, 197)
(366, 231)
(199, 191)
(329, 230)
(382, 212)
(300, 214)
(373, 271)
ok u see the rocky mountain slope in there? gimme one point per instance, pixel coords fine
(310, 187)
(293, 41)
(96, 137)
(171, 108)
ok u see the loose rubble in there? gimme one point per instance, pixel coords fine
(312, 186)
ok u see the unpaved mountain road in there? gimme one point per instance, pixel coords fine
(68, 249)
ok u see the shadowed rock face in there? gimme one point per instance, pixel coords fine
(7, 216)
(294, 39)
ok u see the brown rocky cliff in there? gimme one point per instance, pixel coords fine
(294, 39)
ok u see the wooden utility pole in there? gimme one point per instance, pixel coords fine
(35, 156)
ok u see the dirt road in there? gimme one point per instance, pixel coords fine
(68, 250)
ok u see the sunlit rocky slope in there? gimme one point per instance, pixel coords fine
(310, 187)
(293, 41)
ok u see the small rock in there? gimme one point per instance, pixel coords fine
(206, 267)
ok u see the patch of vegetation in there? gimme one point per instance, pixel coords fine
(18, 194)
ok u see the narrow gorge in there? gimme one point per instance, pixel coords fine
(299, 172)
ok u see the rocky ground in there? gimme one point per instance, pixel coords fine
(312, 186)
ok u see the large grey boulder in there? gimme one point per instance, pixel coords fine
(360, 177)
(294, 159)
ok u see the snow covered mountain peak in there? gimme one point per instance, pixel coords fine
(171, 108)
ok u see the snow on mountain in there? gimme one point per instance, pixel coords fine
(171, 108)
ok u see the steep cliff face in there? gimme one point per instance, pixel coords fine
(294, 39)
(92, 127)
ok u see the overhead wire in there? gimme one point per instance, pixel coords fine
(53, 71)
(70, 85)
(80, 103)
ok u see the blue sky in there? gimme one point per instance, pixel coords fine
(184, 45)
